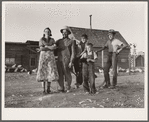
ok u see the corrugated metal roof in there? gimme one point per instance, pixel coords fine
(97, 37)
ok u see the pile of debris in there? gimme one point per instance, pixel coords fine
(119, 69)
(135, 70)
(15, 68)
(34, 71)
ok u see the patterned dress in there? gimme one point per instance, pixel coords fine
(47, 69)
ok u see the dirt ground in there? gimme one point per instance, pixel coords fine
(22, 91)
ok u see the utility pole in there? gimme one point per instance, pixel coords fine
(134, 55)
(90, 21)
(130, 60)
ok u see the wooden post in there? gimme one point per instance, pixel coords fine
(90, 21)
(102, 54)
(129, 63)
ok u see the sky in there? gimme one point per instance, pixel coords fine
(24, 21)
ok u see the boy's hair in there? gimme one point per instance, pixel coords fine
(89, 44)
(85, 36)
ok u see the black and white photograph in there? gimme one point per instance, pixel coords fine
(74, 60)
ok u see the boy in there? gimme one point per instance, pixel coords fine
(88, 59)
(78, 64)
(80, 48)
(84, 41)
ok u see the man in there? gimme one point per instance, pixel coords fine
(80, 48)
(114, 47)
(65, 52)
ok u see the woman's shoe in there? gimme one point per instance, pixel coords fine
(87, 92)
(48, 88)
(68, 91)
(48, 91)
(61, 91)
(76, 85)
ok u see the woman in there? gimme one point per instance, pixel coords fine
(47, 69)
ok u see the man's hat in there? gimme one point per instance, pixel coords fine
(65, 28)
(111, 31)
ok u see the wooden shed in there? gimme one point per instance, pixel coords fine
(140, 61)
(98, 38)
(24, 54)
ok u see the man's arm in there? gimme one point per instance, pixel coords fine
(104, 47)
(121, 47)
(100, 49)
(72, 52)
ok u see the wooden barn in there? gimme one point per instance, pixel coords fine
(139, 61)
(24, 54)
(98, 38)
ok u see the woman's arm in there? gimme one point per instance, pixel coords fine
(53, 47)
(44, 48)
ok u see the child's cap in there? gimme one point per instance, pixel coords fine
(90, 44)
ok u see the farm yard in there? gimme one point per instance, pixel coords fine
(22, 91)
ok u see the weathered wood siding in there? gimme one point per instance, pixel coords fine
(15, 51)
(123, 59)
(21, 54)
(140, 61)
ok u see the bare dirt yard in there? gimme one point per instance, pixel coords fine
(22, 91)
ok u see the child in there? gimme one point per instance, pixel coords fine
(80, 49)
(77, 64)
(84, 41)
(88, 59)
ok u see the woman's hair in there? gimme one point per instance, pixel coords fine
(85, 36)
(47, 29)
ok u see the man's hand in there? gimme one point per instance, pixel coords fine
(88, 60)
(118, 51)
(38, 49)
(70, 65)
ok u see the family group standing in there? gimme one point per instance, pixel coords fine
(78, 54)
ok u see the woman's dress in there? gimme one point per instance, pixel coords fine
(47, 69)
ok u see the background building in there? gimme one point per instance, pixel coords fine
(98, 38)
(140, 59)
(24, 54)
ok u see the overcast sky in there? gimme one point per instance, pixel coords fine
(26, 21)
